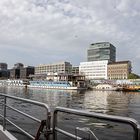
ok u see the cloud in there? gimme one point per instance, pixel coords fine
(44, 31)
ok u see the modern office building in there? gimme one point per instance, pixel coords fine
(26, 72)
(3, 66)
(14, 73)
(21, 72)
(4, 72)
(94, 69)
(61, 67)
(75, 70)
(119, 70)
(101, 51)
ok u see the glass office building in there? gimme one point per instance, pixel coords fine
(101, 51)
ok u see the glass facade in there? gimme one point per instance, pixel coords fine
(101, 51)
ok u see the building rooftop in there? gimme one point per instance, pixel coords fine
(56, 63)
(100, 43)
(118, 62)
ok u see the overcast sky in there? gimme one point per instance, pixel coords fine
(37, 32)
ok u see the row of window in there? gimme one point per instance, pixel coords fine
(117, 75)
(118, 71)
(93, 67)
(94, 71)
(96, 75)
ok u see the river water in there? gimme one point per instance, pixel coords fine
(107, 102)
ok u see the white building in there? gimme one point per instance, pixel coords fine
(94, 69)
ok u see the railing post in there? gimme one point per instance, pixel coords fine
(48, 125)
(54, 125)
(136, 134)
(139, 133)
(4, 114)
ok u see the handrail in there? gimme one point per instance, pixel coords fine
(47, 123)
(5, 105)
(125, 120)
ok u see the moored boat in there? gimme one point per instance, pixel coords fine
(54, 85)
(107, 87)
(58, 81)
(14, 82)
(133, 88)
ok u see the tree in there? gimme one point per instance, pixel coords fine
(133, 76)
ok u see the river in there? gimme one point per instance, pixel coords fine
(107, 102)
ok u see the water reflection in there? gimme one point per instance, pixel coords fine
(108, 102)
(96, 101)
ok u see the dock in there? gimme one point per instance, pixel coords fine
(5, 135)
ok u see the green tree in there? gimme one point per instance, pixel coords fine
(133, 76)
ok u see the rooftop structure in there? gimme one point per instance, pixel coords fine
(18, 65)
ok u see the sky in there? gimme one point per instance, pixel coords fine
(36, 32)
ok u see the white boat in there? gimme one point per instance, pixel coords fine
(106, 87)
(13, 82)
(53, 85)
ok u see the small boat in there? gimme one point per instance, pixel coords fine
(66, 85)
(107, 87)
(14, 82)
(133, 88)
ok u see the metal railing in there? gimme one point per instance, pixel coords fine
(4, 115)
(117, 119)
(55, 129)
